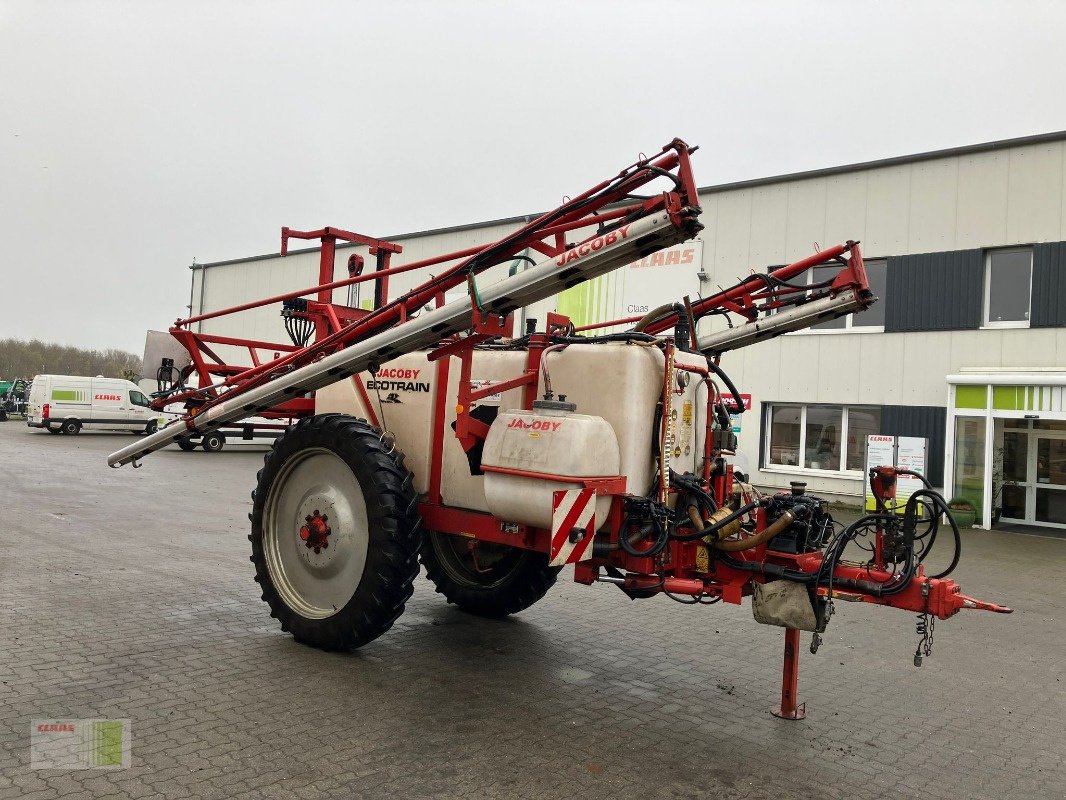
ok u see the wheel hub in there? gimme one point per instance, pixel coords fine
(315, 532)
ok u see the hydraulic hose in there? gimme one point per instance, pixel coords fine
(740, 512)
(653, 315)
(717, 370)
(544, 367)
(763, 536)
(938, 500)
(624, 336)
(628, 542)
(737, 545)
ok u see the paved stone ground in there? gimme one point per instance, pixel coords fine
(129, 594)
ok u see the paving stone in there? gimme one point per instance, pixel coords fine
(129, 594)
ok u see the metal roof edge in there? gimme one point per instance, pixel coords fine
(999, 377)
(983, 147)
(929, 155)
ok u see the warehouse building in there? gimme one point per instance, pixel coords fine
(966, 349)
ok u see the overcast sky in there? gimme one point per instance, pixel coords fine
(136, 136)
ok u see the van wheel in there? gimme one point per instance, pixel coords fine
(151, 427)
(213, 442)
(187, 445)
(53, 431)
(71, 426)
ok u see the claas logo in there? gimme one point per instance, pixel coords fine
(107, 397)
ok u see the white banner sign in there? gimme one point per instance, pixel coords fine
(905, 452)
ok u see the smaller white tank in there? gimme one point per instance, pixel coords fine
(551, 439)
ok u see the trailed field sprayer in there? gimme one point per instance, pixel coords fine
(499, 457)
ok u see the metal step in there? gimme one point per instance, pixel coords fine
(546, 278)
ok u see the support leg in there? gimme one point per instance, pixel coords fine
(790, 679)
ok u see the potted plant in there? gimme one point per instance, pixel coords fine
(964, 511)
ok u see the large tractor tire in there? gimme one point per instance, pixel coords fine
(335, 532)
(486, 579)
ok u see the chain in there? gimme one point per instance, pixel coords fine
(924, 628)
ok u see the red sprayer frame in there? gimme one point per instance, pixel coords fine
(693, 565)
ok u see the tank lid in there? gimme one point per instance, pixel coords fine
(554, 405)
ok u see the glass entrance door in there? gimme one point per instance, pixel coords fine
(1050, 488)
(1033, 473)
(1015, 472)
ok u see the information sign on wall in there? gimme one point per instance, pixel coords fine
(905, 452)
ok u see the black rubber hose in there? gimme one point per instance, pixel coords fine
(773, 570)
(693, 487)
(623, 336)
(717, 370)
(662, 537)
(938, 500)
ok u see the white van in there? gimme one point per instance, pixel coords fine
(66, 403)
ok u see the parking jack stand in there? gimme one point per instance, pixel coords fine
(790, 679)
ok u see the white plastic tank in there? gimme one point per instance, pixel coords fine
(551, 439)
(616, 383)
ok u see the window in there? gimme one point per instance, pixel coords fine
(819, 437)
(873, 318)
(139, 399)
(1008, 286)
(862, 422)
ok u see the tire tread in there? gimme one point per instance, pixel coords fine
(395, 536)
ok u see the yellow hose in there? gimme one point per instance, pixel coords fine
(736, 545)
(653, 315)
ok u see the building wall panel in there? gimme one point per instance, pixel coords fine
(935, 291)
(769, 222)
(976, 349)
(806, 217)
(933, 206)
(1034, 194)
(732, 234)
(836, 369)
(924, 361)
(887, 217)
(877, 364)
(982, 200)
(709, 234)
(1033, 348)
(1048, 303)
(797, 368)
(845, 208)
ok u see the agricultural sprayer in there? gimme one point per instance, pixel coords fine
(498, 457)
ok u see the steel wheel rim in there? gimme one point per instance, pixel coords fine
(500, 561)
(315, 585)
